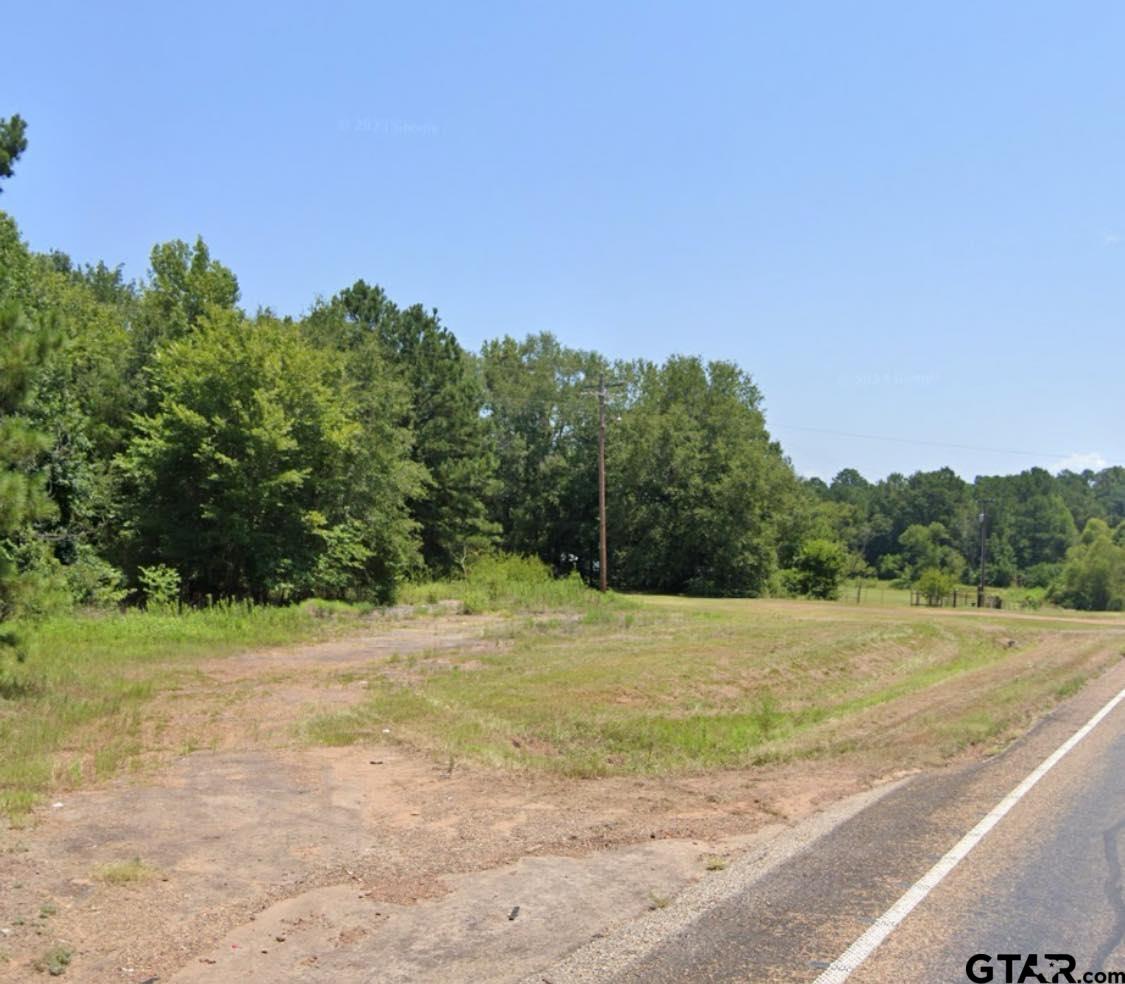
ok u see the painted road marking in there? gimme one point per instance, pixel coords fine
(850, 960)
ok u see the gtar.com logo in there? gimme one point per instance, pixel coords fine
(1046, 968)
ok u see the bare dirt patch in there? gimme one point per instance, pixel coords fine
(274, 861)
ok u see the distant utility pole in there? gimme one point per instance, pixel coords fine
(980, 588)
(602, 390)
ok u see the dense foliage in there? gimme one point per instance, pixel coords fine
(904, 527)
(159, 443)
(255, 474)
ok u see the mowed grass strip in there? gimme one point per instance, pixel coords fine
(680, 686)
(74, 710)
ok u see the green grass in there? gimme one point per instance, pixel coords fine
(73, 710)
(506, 583)
(1015, 599)
(678, 685)
(124, 872)
(578, 683)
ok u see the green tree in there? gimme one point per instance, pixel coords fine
(1077, 491)
(1093, 578)
(82, 400)
(697, 483)
(254, 474)
(443, 414)
(935, 584)
(1109, 491)
(543, 424)
(820, 567)
(183, 286)
(1042, 528)
(24, 347)
(928, 547)
(851, 487)
(13, 142)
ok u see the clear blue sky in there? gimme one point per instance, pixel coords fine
(906, 220)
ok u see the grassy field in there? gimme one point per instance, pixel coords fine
(76, 709)
(677, 685)
(572, 682)
(72, 711)
(882, 593)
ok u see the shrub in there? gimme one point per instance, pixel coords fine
(161, 586)
(935, 584)
(93, 582)
(1041, 575)
(510, 582)
(784, 583)
(40, 588)
(820, 568)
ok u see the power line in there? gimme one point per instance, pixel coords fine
(569, 401)
(931, 444)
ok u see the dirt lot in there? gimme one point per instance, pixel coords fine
(277, 861)
(274, 860)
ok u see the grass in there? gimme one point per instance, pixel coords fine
(578, 683)
(506, 583)
(883, 593)
(124, 872)
(55, 960)
(73, 710)
(678, 686)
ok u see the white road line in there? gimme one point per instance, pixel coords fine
(850, 960)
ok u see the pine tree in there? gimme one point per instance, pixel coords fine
(13, 142)
(24, 347)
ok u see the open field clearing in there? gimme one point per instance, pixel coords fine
(679, 686)
(287, 811)
(74, 710)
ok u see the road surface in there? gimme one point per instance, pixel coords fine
(1046, 879)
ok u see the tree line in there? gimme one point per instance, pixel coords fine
(1063, 535)
(158, 440)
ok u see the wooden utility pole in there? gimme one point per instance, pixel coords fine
(602, 391)
(980, 589)
(603, 562)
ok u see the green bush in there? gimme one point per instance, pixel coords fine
(93, 582)
(1041, 575)
(509, 582)
(161, 586)
(784, 583)
(1031, 599)
(40, 588)
(820, 568)
(935, 584)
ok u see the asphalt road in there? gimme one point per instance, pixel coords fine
(1046, 879)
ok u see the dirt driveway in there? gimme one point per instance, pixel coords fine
(266, 859)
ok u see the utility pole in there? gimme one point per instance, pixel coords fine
(980, 589)
(603, 558)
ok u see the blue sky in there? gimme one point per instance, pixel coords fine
(906, 221)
